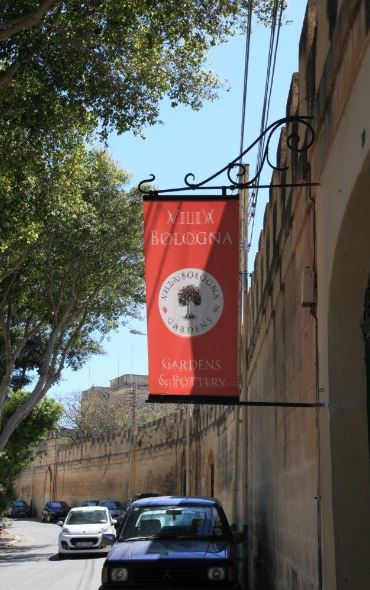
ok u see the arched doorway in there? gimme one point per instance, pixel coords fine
(345, 434)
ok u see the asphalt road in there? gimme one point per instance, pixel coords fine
(33, 563)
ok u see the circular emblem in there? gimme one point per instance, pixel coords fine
(190, 302)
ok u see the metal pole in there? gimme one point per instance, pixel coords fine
(244, 204)
(187, 487)
(236, 448)
(235, 465)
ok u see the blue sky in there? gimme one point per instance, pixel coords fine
(199, 142)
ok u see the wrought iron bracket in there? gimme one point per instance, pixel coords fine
(226, 401)
(293, 142)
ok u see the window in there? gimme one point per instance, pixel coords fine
(86, 517)
(192, 521)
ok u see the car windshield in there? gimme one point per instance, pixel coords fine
(19, 504)
(86, 517)
(57, 505)
(111, 505)
(192, 521)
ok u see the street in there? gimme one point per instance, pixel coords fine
(33, 563)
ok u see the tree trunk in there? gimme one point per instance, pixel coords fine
(189, 315)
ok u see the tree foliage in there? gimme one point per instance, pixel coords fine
(70, 235)
(75, 278)
(24, 440)
(113, 60)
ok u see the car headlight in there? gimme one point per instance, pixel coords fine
(65, 530)
(119, 574)
(216, 573)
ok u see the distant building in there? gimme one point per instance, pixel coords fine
(123, 386)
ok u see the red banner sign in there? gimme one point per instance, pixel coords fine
(192, 282)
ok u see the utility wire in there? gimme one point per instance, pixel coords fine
(276, 18)
(246, 70)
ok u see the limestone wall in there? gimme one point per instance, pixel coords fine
(100, 469)
(297, 538)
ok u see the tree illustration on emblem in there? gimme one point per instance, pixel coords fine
(189, 296)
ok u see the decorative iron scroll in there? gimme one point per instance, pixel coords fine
(293, 142)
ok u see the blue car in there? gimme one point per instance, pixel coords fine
(172, 542)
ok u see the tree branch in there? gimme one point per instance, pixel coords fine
(22, 412)
(7, 75)
(26, 21)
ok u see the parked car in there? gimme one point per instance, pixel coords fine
(115, 508)
(19, 508)
(143, 495)
(90, 503)
(54, 510)
(173, 542)
(87, 529)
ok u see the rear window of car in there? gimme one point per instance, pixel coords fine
(111, 505)
(57, 505)
(19, 504)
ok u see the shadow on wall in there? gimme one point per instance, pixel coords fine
(264, 563)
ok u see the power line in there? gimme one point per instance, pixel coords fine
(276, 18)
(246, 69)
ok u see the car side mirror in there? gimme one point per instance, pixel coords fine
(60, 523)
(114, 521)
(238, 537)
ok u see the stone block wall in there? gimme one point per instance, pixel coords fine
(101, 468)
(291, 544)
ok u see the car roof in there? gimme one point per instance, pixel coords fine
(88, 508)
(176, 501)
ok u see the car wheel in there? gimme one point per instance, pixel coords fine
(42, 518)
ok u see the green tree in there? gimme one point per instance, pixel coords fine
(24, 440)
(75, 280)
(114, 59)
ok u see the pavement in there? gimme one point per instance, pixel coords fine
(29, 560)
(8, 537)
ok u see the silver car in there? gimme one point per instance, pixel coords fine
(87, 529)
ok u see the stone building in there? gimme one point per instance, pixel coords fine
(308, 472)
(122, 387)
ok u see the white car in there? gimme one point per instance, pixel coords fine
(87, 529)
